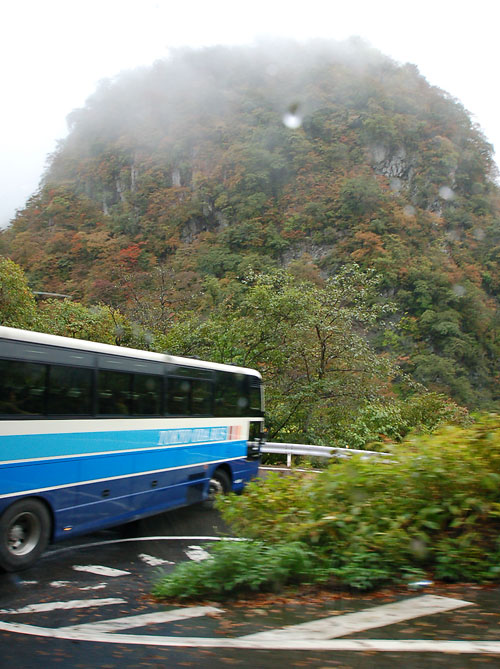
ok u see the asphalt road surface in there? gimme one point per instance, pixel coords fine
(87, 604)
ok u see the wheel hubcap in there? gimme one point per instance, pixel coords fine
(24, 534)
(215, 488)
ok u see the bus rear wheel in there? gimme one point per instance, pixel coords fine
(219, 485)
(24, 534)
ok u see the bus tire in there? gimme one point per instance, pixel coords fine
(24, 534)
(219, 485)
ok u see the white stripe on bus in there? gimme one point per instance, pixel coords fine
(28, 426)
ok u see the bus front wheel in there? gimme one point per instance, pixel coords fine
(219, 485)
(24, 534)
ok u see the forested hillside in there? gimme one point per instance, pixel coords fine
(184, 189)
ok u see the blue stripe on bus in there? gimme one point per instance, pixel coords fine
(33, 446)
(21, 477)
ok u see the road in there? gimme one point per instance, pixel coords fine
(87, 604)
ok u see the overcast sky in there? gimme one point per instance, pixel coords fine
(55, 51)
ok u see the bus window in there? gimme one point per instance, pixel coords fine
(147, 395)
(231, 399)
(178, 397)
(70, 391)
(255, 400)
(113, 393)
(22, 388)
(201, 398)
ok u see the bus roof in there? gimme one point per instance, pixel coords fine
(95, 347)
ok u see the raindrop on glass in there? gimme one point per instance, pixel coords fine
(446, 193)
(292, 121)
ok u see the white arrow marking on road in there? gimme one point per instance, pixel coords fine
(100, 571)
(153, 561)
(73, 604)
(145, 619)
(378, 616)
(197, 553)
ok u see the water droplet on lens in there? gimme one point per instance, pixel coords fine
(458, 290)
(292, 121)
(396, 185)
(446, 193)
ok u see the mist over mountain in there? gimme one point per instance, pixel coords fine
(235, 160)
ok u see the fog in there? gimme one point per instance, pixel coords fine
(55, 52)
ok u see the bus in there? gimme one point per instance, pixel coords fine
(94, 435)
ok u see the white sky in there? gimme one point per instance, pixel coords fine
(53, 53)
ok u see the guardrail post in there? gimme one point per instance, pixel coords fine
(288, 459)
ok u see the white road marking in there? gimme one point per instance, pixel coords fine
(100, 570)
(60, 584)
(102, 631)
(100, 586)
(129, 622)
(72, 604)
(380, 645)
(197, 553)
(153, 561)
(378, 616)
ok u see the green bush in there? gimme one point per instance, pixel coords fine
(240, 567)
(377, 423)
(431, 507)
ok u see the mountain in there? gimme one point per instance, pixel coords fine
(224, 161)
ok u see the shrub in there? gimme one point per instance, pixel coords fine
(237, 567)
(433, 507)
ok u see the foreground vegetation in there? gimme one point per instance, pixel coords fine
(432, 508)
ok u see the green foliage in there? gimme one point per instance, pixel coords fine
(378, 422)
(306, 339)
(17, 302)
(18, 308)
(72, 319)
(240, 567)
(434, 505)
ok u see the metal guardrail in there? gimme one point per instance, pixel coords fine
(314, 451)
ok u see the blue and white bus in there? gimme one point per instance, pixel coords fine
(93, 435)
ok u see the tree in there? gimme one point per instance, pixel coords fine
(17, 302)
(307, 340)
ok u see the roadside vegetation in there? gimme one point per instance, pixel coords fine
(432, 509)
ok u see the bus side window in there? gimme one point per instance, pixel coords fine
(230, 396)
(178, 397)
(70, 391)
(113, 393)
(201, 399)
(255, 399)
(22, 388)
(147, 395)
